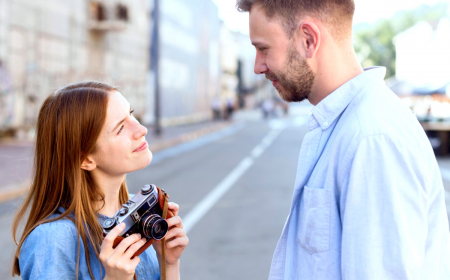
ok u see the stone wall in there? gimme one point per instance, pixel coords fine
(45, 44)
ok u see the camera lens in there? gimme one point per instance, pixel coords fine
(153, 226)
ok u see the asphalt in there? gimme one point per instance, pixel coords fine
(235, 238)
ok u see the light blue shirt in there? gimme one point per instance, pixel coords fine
(368, 201)
(50, 252)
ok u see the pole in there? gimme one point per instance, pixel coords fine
(155, 53)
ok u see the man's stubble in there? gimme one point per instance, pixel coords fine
(297, 78)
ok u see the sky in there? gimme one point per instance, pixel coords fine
(366, 11)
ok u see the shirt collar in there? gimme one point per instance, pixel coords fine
(326, 112)
(101, 217)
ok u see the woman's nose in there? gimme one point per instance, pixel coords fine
(140, 131)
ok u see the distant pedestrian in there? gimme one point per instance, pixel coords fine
(267, 107)
(230, 108)
(368, 201)
(87, 141)
(216, 107)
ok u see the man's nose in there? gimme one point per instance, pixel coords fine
(260, 64)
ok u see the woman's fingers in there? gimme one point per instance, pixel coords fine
(181, 241)
(176, 237)
(174, 208)
(175, 232)
(175, 222)
(135, 261)
(118, 262)
(133, 248)
(108, 241)
(127, 242)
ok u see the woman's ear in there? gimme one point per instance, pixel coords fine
(88, 164)
(309, 35)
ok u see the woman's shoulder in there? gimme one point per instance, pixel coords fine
(59, 230)
(50, 251)
(51, 238)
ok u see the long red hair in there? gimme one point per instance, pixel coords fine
(68, 126)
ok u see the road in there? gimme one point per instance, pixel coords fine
(234, 189)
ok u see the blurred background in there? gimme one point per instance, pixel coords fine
(225, 145)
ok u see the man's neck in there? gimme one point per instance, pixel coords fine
(334, 70)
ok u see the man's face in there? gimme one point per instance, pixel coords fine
(278, 58)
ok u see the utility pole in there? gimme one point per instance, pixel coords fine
(155, 65)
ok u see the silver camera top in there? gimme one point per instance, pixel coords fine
(129, 213)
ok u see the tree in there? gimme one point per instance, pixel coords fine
(374, 43)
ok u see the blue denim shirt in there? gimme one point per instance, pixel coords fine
(50, 252)
(369, 202)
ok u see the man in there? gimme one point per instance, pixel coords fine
(368, 201)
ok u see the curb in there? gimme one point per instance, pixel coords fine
(14, 191)
(187, 137)
(19, 189)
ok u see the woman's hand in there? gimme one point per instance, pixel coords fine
(176, 239)
(118, 262)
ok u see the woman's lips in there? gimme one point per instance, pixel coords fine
(141, 147)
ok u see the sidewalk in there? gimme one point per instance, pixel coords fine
(16, 158)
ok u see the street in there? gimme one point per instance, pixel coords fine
(234, 189)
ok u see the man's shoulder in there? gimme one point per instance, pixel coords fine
(377, 110)
(377, 113)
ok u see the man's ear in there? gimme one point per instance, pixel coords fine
(88, 164)
(309, 34)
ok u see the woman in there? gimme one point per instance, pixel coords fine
(87, 141)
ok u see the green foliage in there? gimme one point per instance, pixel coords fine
(374, 42)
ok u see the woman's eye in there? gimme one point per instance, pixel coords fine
(131, 112)
(120, 130)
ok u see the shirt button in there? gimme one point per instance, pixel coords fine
(325, 124)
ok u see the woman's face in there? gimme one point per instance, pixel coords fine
(121, 146)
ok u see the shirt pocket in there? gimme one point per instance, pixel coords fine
(315, 216)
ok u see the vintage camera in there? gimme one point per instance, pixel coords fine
(141, 214)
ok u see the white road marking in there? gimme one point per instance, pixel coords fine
(208, 202)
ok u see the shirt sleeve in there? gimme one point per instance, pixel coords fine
(49, 252)
(384, 212)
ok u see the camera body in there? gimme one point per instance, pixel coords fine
(141, 214)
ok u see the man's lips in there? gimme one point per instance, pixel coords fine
(142, 147)
(272, 78)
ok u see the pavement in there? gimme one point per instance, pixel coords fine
(16, 157)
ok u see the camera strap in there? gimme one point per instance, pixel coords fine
(163, 241)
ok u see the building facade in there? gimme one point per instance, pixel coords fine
(189, 67)
(47, 44)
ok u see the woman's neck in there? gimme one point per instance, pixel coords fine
(111, 189)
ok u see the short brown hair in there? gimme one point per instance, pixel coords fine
(337, 14)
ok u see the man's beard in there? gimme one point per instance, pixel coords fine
(297, 78)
